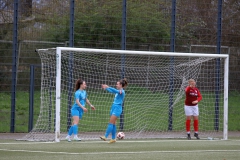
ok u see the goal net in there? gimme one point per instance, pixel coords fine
(154, 102)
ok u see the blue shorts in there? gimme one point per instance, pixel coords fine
(116, 110)
(77, 112)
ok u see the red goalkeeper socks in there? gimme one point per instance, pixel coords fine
(195, 126)
(188, 122)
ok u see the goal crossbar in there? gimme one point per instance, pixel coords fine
(59, 49)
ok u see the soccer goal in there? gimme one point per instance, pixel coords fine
(154, 102)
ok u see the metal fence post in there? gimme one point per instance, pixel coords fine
(123, 47)
(70, 60)
(171, 78)
(217, 80)
(14, 66)
(31, 97)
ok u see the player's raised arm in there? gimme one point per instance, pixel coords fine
(110, 89)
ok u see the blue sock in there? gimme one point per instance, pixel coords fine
(114, 131)
(109, 129)
(70, 131)
(75, 129)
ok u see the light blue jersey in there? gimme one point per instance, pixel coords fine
(119, 95)
(116, 108)
(81, 95)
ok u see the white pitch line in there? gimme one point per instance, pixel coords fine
(120, 141)
(29, 143)
(125, 141)
(140, 152)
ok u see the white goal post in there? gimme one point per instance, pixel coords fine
(154, 103)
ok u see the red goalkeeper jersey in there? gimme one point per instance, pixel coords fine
(192, 94)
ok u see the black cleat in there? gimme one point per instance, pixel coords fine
(196, 135)
(188, 136)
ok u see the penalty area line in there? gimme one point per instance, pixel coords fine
(138, 152)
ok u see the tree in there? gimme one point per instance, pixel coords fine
(25, 8)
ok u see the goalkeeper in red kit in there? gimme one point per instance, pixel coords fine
(193, 96)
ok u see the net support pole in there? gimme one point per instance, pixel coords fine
(58, 95)
(123, 47)
(50, 102)
(171, 73)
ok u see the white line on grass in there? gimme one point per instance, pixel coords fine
(28, 143)
(140, 152)
(124, 141)
(120, 141)
(153, 141)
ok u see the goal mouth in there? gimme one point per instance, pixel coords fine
(154, 102)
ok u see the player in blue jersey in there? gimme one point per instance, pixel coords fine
(116, 108)
(78, 108)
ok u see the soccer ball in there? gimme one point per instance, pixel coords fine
(120, 135)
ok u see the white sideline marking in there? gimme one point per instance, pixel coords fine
(140, 152)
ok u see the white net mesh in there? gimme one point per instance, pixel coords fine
(154, 103)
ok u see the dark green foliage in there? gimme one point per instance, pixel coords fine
(99, 25)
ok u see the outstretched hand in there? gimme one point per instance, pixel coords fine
(104, 86)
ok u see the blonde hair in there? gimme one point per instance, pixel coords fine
(191, 80)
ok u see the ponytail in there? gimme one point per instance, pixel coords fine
(124, 82)
(79, 82)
